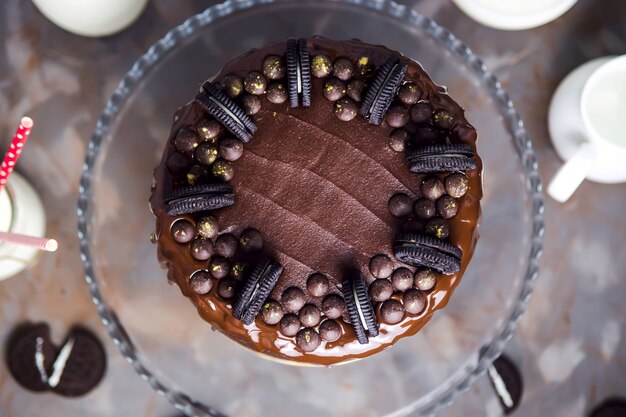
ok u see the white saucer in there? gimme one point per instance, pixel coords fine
(566, 126)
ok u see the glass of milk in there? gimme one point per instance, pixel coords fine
(21, 211)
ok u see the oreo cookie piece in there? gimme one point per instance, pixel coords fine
(360, 308)
(79, 366)
(441, 158)
(30, 355)
(256, 290)
(381, 92)
(421, 250)
(298, 73)
(195, 198)
(506, 381)
(226, 111)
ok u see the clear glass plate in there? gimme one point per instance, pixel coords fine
(200, 371)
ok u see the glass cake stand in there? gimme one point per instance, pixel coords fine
(202, 372)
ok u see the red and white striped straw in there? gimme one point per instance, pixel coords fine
(15, 149)
(41, 243)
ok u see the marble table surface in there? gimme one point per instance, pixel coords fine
(570, 345)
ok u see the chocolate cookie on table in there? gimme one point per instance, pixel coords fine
(316, 194)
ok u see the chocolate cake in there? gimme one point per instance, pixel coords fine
(318, 200)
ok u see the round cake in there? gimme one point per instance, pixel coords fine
(318, 200)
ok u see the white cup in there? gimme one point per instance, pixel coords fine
(91, 17)
(603, 115)
(21, 212)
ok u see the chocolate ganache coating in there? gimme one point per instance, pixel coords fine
(312, 193)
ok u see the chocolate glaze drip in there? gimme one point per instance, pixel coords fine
(317, 188)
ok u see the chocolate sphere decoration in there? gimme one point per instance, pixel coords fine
(364, 66)
(397, 116)
(223, 170)
(346, 109)
(231, 149)
(381, 290)
(456, 184)
(219, 267)
(178, 163)
(437, 227)
(186, 141)
(251, 104)
(273, 67)
(201, 249)
(317, 285)
(343, 69)
(206, 153)
(183, 231)
(308, 340)
(208, 129)
(255, 83)
(424, 209)
(433, 188)
(251, 240)
(413, 225)
(293, 299)
(443, 119)
(447, 206)
(330, 330)
(271, 312)
(333, 306)
(421, 112)
(226, 245)
(392, 311)
(321, 66)
(238, 270)
(409, 93)
(381, 266)
(402, 279)
(425, 279)
(334, 89)
(414, 301)
(356, 89)
(207, 227)
(398, 140)
(232, 85)
(196, 173)
(276, 93)
(309, 315)
(226, 288)
(425, 135)
(400, 205)
(289, 325)
(201, 282)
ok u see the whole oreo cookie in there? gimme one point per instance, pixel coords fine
(195, 198)
(36, 364)
(226, 111)
(298, 73)
(256, 290)
(441, 158)
(380, 94)
(421, 250)
(360, 309)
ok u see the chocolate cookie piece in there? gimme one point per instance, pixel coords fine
(506, 381)
(84, 367)
(226, 111)
(30, 369)
(255, 291)
(195, 198)
(420, 250)
(383, 89)
(441, 158)
(298, 73)
(360, 309)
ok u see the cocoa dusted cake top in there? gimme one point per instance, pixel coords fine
(318, 199)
